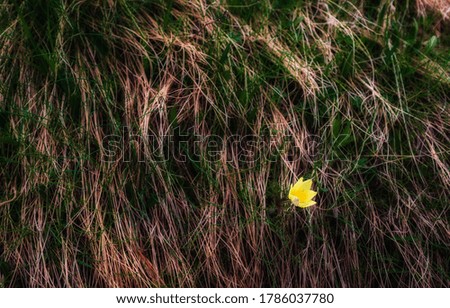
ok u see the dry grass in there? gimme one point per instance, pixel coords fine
(351, 95)
(442, 7)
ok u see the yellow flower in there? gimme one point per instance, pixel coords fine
(301, 194)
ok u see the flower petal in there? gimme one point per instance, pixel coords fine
(306, 185)
(291, 196)
(306, 204)
(297, 188)
(311, 194)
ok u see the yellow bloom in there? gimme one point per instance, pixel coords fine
(301, 194)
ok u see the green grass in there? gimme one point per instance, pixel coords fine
(101, 100)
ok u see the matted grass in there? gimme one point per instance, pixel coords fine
(109, 176)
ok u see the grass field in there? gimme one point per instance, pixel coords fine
(153, 143)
